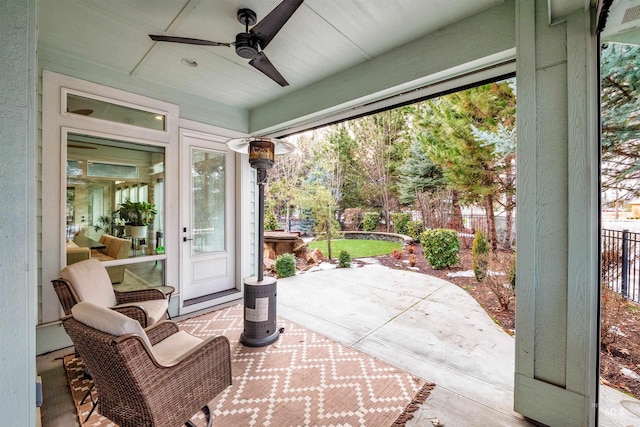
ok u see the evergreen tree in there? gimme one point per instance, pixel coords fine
(620, 105)
(470, 167)
(503, 141)
(420, 182)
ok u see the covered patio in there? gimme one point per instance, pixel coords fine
(423, 325)
(342, 59)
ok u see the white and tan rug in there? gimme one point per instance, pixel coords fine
(303, 379)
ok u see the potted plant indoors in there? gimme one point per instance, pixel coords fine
(137, 215)
(107, 222)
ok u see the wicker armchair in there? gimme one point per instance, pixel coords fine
(88, 280)
(155, 377)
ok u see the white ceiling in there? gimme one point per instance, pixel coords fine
(322, 39)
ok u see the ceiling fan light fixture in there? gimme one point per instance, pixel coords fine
(246, 45)
(251, 43)
(189, 62)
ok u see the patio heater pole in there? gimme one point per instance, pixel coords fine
(262, 178)
(260, 327)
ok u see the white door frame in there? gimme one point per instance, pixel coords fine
(233, 237)
(56, 124)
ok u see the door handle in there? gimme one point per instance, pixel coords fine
(184, 239)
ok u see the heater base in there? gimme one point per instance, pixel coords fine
(260, 326)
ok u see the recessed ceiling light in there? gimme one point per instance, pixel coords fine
(189, 62)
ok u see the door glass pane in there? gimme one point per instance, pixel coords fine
(103, 174)
(207, 206)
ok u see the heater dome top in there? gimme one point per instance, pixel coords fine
(241, 145)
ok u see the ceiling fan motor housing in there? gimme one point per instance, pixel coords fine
(246, 45)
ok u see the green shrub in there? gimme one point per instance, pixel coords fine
(400, 221)
(480, 256)
(441, 247)
(270, 222)
(344, 259)
(414, 229)
(371, 220)
(286, 265)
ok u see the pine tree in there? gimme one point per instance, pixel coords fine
(620, 106)
(469, 166)
(420, 183)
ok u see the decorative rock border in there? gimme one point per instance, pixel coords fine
(374, 235)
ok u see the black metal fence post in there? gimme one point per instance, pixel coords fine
(625, 264)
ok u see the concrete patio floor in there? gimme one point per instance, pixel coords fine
(429, 328)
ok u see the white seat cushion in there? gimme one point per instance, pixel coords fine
(156, 309)
(107, 320)
(170, 349)
(91, 282)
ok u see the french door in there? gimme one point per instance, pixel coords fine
(207, 201)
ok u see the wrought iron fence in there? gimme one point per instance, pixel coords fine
(621, 262)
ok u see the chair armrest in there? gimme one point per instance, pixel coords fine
(67, 296)
(138, 295)
(192, 382)
(161, 330)
(214, 352)
(200, 374)
(133, 311)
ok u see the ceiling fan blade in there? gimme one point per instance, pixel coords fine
(266, 29)
(186, 40)
(83, 147)
(262, 63)
(83, 111)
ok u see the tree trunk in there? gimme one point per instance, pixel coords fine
(509, 224)
(491, 219)
(424, 207)
(287, 219)
(509, 204)
(456, 212)
(387, 207)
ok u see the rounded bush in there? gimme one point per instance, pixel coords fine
(270, 222)
(400, 221)
(414, 229)
(344, 259)
(286, 265)
(441, 247)
(370, 221)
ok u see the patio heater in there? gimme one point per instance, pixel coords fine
(260, 327)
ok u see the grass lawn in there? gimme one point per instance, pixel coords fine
(356, 248)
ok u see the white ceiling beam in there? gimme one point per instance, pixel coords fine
(435, 57)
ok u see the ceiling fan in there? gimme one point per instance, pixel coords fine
(251, 43)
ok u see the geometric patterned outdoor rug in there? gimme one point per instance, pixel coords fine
(303, 379)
